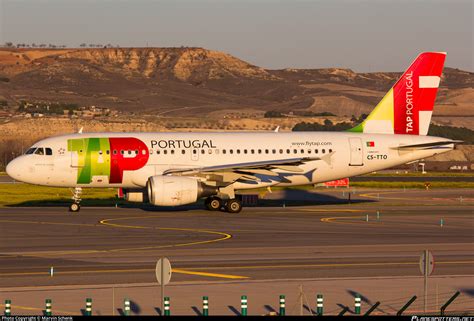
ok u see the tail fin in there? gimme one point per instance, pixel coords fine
(407, 107)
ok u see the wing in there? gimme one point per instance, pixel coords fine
(247, 171)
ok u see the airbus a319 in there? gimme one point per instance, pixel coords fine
(171, 169)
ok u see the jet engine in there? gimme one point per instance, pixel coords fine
(176, 190)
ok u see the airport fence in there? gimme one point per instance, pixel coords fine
(304, 306)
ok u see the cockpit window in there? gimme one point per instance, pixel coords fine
(39, 151)
(30, 151)
(49, 151)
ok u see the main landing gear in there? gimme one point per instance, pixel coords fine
(215, 203)
(76, 197)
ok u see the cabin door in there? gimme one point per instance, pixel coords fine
(357, 155)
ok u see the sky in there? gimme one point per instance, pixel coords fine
(373, 35)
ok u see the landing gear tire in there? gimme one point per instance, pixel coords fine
(233, 206)
(74, 207)
(76, 199)
(213, 203)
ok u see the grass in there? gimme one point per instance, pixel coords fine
(30, 195)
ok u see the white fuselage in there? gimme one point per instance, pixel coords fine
(337, 155)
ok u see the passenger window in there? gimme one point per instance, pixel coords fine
(203, 151)
(238, 151)
(266, 151)
(295, 151)
(172, 151)
(129, 152)
(323, 151)
(316, 151)
(115, 152)
(209, 151)
(39, 151)
(183, 151)
(252, 151)
(165, 151)
(224, 151)
(158, 151)
(245, 151)
(151, 151)
(231, 151)
(302, 151)
(107, 152)
(288, 151)
(122, 152)
(330, 150)
(281, 151)
(194, 151)
(309, 151)
(49, 151)
(259, 151)
(136, 151)
(274, 151)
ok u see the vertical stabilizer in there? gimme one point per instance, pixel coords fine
(408, 105)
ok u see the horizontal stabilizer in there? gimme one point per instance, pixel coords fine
(427, 145)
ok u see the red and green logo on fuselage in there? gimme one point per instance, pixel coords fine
(107, 157)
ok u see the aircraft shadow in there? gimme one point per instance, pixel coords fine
(282, 198)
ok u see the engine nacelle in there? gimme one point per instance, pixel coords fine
(176, 190)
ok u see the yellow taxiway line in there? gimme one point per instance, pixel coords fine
(200, 270)
(249, 267)
(214, 275)
(109, 271)
(334, 218)
(106, 223)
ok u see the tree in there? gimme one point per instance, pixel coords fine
(82, 45)
(9, 44)
(328, 123)
(273, 114)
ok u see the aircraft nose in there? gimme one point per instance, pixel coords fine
(13, 169)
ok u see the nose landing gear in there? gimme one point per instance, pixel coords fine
(76, 197)
(74, 207)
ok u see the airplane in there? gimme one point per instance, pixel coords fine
(172, 169)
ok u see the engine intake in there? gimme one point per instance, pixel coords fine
(176, 190)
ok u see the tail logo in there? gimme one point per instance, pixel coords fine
(408, 105)
(409, 102)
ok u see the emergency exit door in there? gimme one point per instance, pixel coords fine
(357, 155)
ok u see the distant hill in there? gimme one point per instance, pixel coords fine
(197, 82)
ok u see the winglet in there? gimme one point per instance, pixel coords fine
(80, 130)
(277, 129)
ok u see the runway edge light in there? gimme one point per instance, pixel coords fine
(319, 304)
(282, 305)
(8, 305)
(205, 306)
